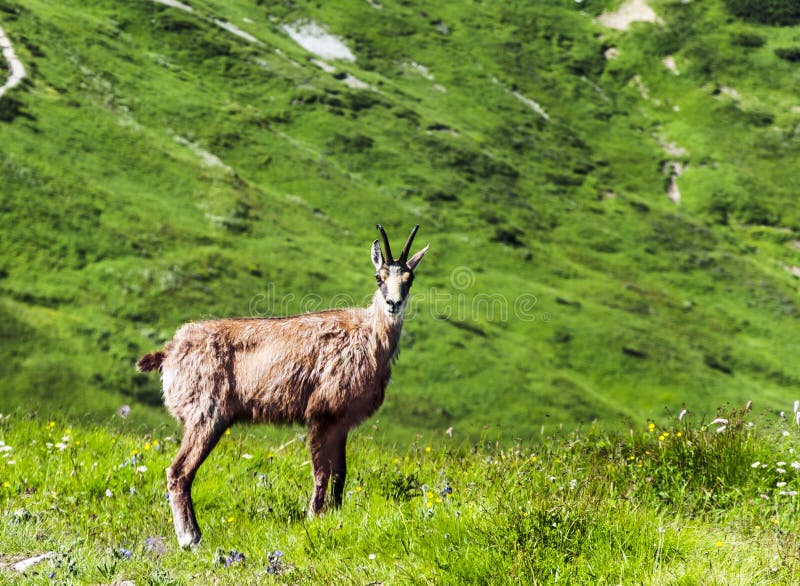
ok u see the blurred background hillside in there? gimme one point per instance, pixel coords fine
(609, 191)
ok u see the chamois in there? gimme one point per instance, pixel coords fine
(328, 370)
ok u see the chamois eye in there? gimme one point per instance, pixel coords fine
(378, 278)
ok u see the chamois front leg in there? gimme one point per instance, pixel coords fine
(326, 442)
(339, 466)
(199, 438)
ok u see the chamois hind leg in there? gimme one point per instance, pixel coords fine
(326, 443)
(199, 438)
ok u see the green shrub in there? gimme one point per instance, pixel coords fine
(774, 12)
(749, 40)
(788, 53)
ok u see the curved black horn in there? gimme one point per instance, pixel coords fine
(387, 249)
(407, 247)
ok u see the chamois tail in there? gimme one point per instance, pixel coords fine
(150, 361)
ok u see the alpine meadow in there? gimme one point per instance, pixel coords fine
(598, 380)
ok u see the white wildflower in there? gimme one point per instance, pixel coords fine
(719, 420)
(784, 433)
(781, 470)
(682, 414)
(372, 556)
(247, 456)
(109, 493)
(61, 446)
(781, 463)
(721, 428)
(5, 448)
(796, 465)
(142, 469)
(788, 493)
(780, 484)
(755, 464)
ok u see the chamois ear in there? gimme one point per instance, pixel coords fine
(414, 260)
(377, 255)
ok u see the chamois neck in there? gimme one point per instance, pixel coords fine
(386, 329)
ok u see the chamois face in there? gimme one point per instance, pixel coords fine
(394, 277)
(394, 282)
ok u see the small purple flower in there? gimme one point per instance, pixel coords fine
(234, 557)
(275, 559)
(52, 575)
(125, 553)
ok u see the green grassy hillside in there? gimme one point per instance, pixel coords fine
(679, 504)
(156, 168)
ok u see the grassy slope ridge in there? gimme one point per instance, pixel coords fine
(115, 227)
(679, 504)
